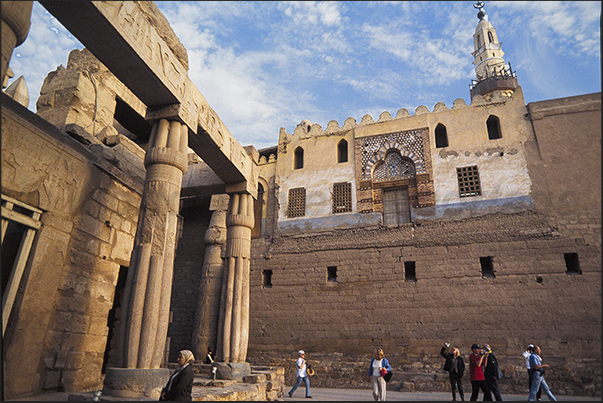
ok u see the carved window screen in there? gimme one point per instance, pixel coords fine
(342, 197)
(296, 207)
(468, 178)
(19, 225)
(394, 167)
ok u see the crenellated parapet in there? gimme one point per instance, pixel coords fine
(306, 129)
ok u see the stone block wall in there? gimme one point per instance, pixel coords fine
(376, 302)
(58, 329)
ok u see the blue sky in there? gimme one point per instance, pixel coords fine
(266, 65)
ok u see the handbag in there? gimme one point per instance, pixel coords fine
(499, 373)
(388, 376)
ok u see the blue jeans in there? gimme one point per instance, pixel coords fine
(299, 381)
(537, 382)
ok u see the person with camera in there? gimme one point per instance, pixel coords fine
(477, 362)
(455, 366)
(538, 381)
(491, 372)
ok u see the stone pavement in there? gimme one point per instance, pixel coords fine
(324, 394)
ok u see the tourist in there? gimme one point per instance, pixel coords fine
(477, 362)
(180, 385)
(302, 374)
(491, 372)
(209, 358)
(378, 363)
(538, 380)
(526, 354)
(456, 367)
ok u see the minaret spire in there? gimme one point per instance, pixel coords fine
(490, 70)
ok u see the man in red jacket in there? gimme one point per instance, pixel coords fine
(477, 362)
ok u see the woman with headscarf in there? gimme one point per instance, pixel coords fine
(180, 385)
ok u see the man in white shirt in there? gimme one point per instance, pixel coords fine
(526, 354)
(302, 374)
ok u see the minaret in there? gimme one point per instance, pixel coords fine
(490, 70)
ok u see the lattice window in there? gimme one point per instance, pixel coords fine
(297, 203)
(394, 167)
(468, 181)
(342, 197)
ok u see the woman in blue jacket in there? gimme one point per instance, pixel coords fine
(377, 364)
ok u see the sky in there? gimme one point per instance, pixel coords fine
(263, 65)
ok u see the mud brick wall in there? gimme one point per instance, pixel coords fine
(531, 300)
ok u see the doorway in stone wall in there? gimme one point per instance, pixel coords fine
(113, 320)
(396, 206)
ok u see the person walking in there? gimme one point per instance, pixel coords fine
(180, 384)
(526, 354)
(455, 366)
(538, 381)
(477, 361)
(491, 373)
(378, 363)
(302, 374)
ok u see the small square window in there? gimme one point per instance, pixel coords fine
(487, 266)
(572, 263)
(409, 272)
(332, 274)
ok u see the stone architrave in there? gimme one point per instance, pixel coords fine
(208, 308)
(233, 327)
(146, 300)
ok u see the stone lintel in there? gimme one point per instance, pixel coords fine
(120, 36)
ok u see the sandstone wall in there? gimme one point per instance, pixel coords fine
(57, 333)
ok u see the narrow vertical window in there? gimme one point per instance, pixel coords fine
(487, 266)
(296, 207)
(267, 278)
(342, 151)
(490, 37)
(409, 272)
(572, 264)
(493, 125)
(441, 136)
(259, 213)
(299, 158)
(332, 274)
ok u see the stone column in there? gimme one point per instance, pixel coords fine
(233, 328)
(146, 300)
(16, 20)
(208, 309)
